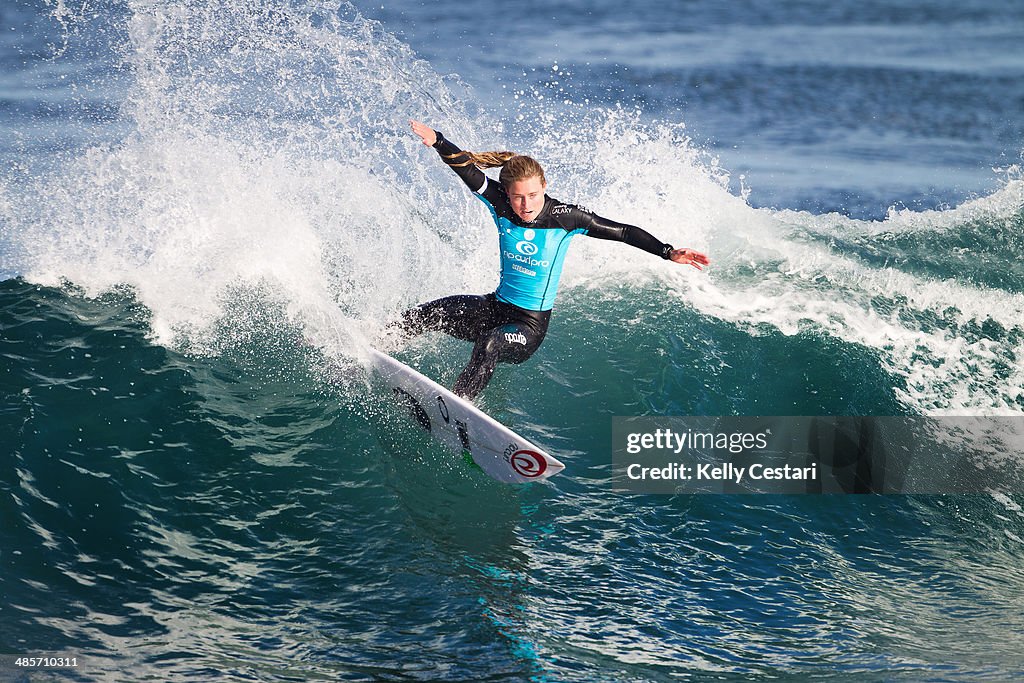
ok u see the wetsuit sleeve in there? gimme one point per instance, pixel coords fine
(453, 156)
(606, 229)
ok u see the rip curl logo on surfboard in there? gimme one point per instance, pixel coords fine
(526, 463)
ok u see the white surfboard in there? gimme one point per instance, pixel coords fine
(462, 427)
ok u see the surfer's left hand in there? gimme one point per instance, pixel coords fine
(426, 134)
(689, 257)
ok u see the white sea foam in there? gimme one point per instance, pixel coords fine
(269, 151)
(779, 268)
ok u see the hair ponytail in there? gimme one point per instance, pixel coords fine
(481, 159)
(513, 166)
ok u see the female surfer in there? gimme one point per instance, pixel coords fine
(508, 325)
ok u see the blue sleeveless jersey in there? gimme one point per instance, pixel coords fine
(531, 260)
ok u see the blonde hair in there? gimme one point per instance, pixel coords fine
(513, 166)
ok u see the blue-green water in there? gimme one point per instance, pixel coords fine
(207, 212)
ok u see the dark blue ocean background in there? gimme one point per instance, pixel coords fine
(210, 208)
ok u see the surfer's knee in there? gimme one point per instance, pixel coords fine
(491, 344)
(505, 344)
(410, 322)
(518, 342)
(425, 317)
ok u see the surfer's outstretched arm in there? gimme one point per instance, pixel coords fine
(607, 229)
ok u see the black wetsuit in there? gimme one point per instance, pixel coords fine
(508, 325)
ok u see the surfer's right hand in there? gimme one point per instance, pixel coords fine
(426, 133)
(689, 257)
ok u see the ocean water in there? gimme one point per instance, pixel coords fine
(210, 208)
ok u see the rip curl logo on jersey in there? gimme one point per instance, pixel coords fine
(527, 248)
(529, 464)
(515, 338)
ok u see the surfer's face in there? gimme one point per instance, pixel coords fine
(526, 197)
